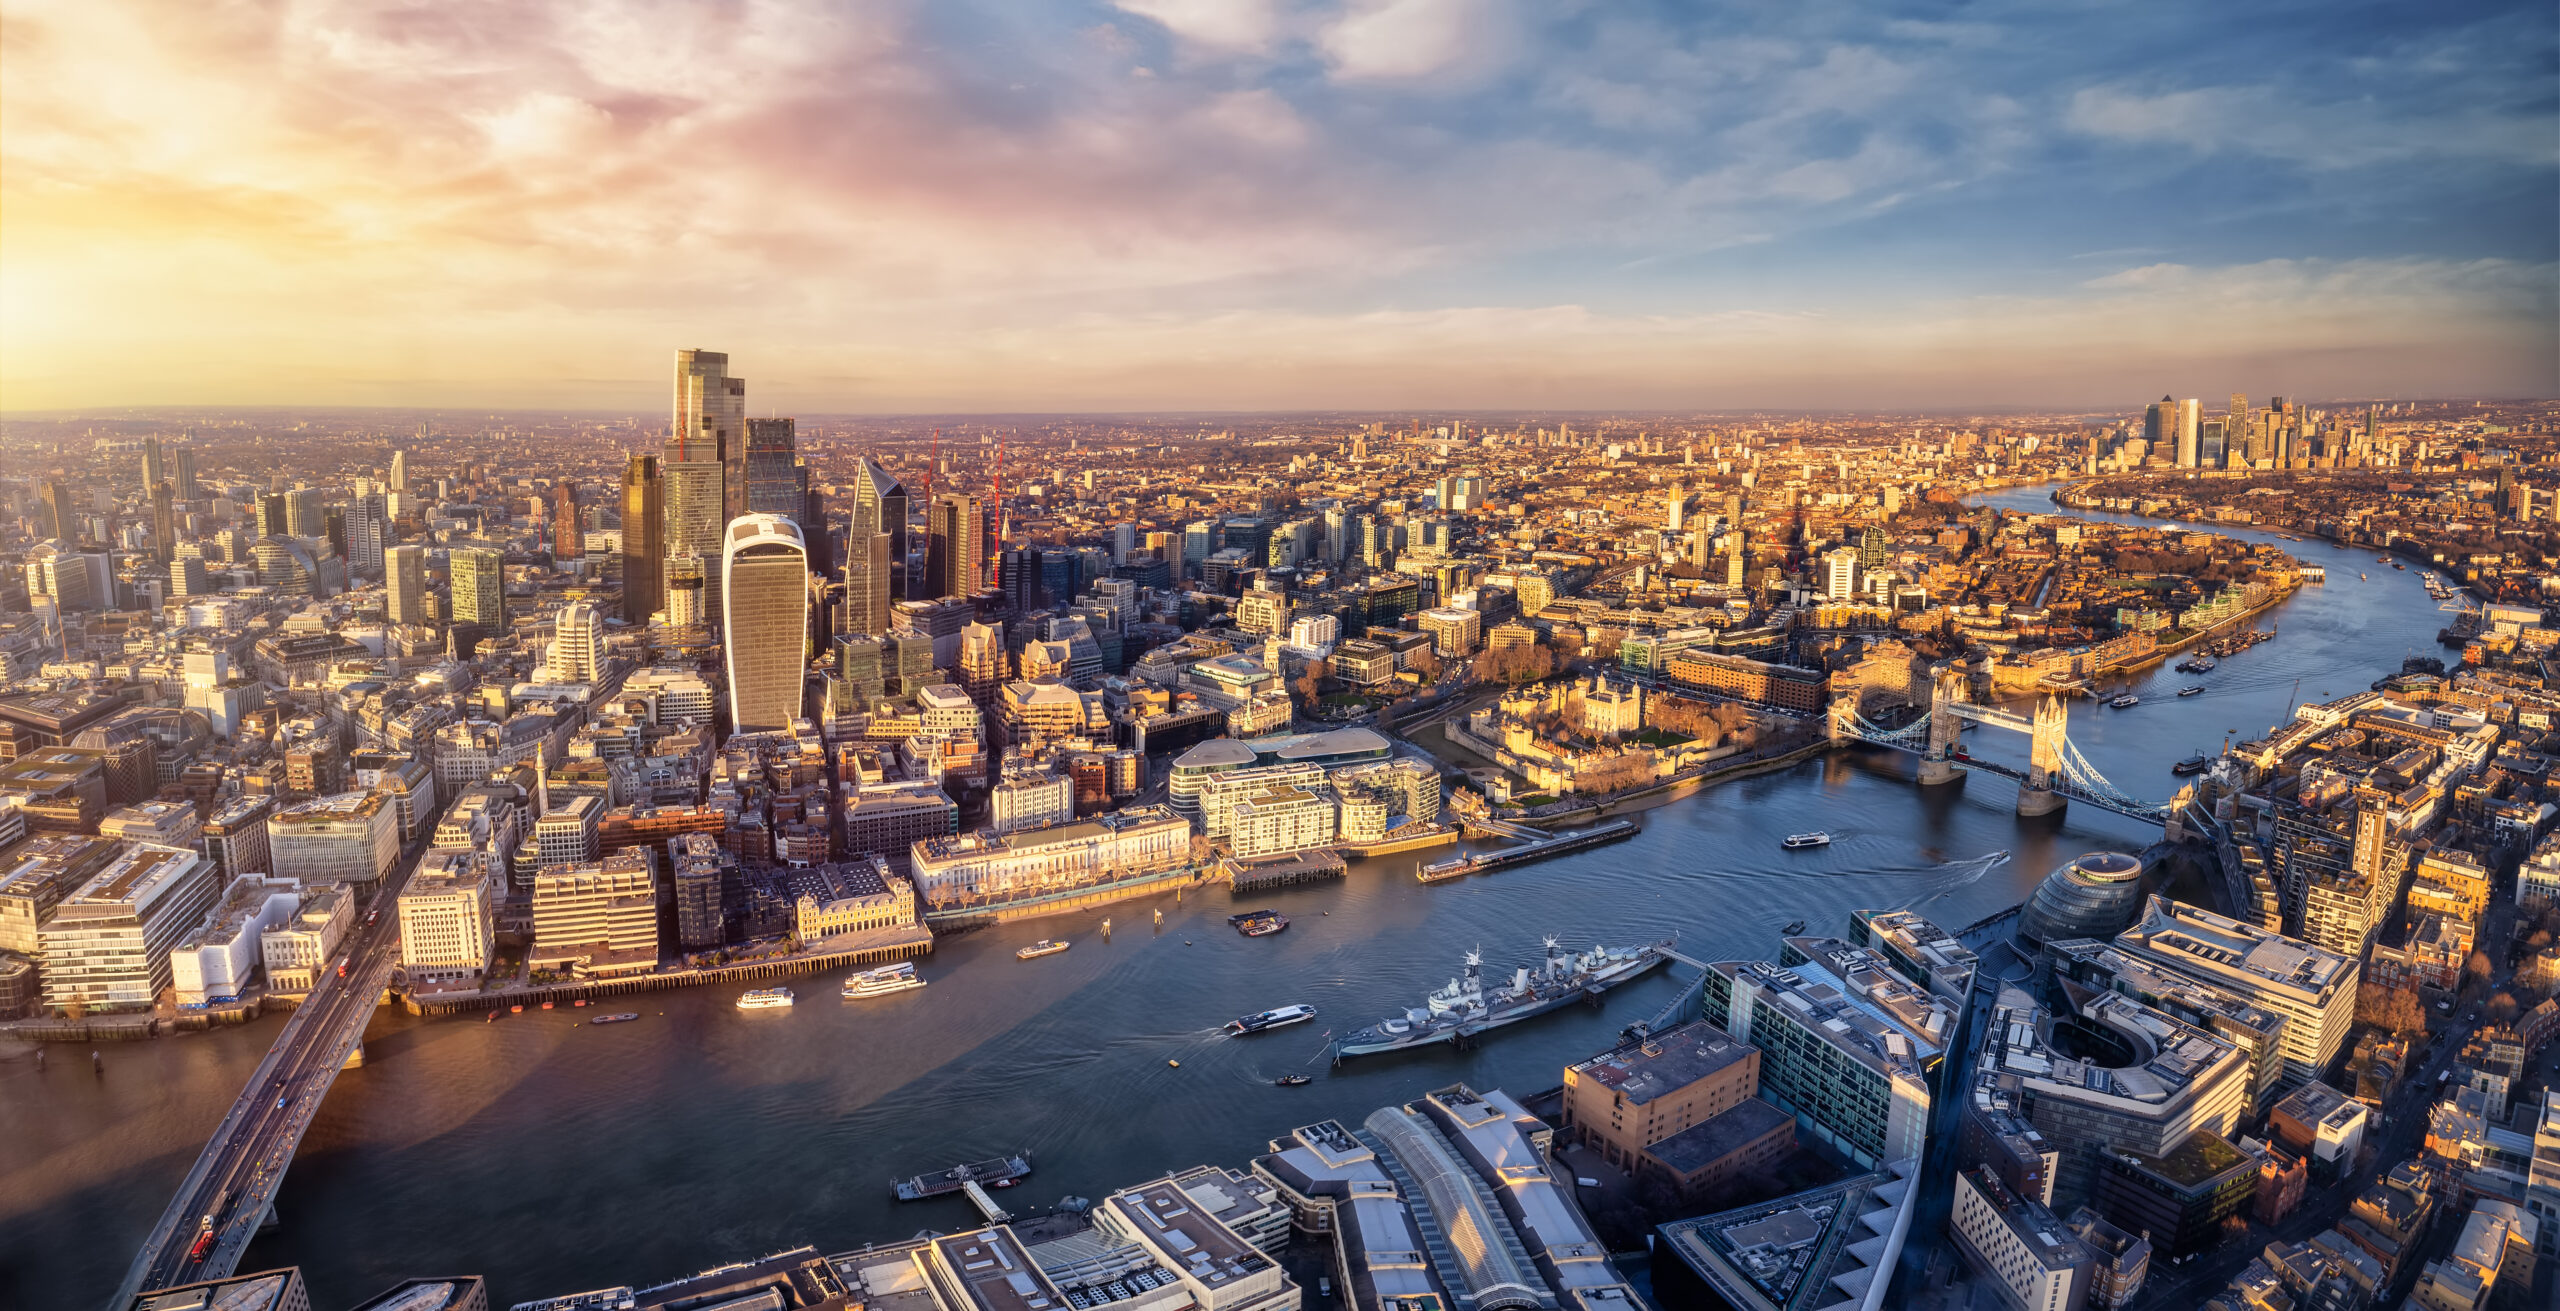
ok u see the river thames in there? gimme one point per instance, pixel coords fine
(551, 1157)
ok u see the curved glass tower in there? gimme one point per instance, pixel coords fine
(764, 597)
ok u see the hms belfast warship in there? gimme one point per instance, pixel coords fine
(1463, 1008)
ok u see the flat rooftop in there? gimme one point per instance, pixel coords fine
(1719, 1136)
(995, 1273)
(2182, 932)
(136, 874)
(1666, 1063)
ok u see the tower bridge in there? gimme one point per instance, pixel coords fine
(2056, 772)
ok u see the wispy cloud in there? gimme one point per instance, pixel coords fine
(1017, 205)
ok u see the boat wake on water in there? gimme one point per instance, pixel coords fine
(1967, 873)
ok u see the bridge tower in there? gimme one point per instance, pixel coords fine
(1945, 729)
(1842, 717)
(2044, 758)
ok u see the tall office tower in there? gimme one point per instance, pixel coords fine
(1199, 542)
(1675, 509)
(305, 513)
(577, 643)
(880, 506)
(866, 584)
(1124, 539)
(154, 466)
(2239, 413)
(982, 663)
(687, 585)
(710, 424)
(777, 483)
(858, 666)
(951, 546)
(187, 576)
(1018, 578)
(404, 576)
(568, 536)
(368, 532)
(765, 625)
(399, 471)
(57, 505)
(643, 540)
(690, 491)
(164, 520)
(186, 461)
(2190, 433)
(479, 588)
(2160, 424)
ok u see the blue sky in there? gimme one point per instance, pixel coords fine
(1259, 203)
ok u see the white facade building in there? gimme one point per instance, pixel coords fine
(107, 946)
(448, 920)
(351, 837)
(217, 962)
(297, 950)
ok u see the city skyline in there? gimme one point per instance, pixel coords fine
(1241, 207)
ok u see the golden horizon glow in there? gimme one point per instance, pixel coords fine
(531, 206)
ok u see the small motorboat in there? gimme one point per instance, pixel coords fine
(1800, 841)
(1174, 1064)
(2126, 702)
(1292, 1081)
(1044, 947)
(1793, 928)
(2195, 764)
(517, 1009)
(493, 1018)
(2191, 691)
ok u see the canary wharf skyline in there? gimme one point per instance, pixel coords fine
(1177, 204)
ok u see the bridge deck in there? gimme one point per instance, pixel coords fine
(234, 1180)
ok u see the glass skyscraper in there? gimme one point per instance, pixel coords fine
(765, 620)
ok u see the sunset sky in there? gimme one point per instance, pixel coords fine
(1250, 204)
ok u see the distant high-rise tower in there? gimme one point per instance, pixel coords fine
(880, 506)
(710, 424)
(2190, 420)
(690, 491)
(687, 582)
(577, 643)
(404, 576)
(643, 540)
(399, 471)
(479, 588)
(568, 536)
(982, 671)
(186, 461)
(57, 505)
(305, 512)
(777, 483)
(368, 532)
(765, 623)
(154, 466)
(866, 584)
(951, 548)
(164, 520)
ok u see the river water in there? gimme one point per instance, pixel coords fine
(550, 1157)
